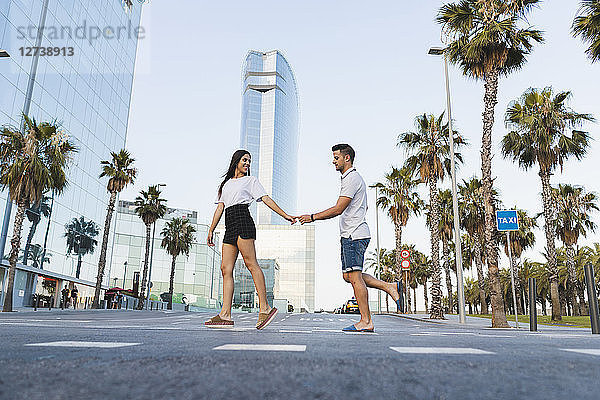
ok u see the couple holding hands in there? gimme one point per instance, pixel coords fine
(239, 189)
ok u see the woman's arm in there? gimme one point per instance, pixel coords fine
(215, 221)
(273, 206)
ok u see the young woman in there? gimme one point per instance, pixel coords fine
(236, 192)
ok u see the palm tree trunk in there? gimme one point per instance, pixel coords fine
(437, 311)
(573, 282)
(480, 277)
(78, 270)
(171, 280)
(407, 286)
(29, 240)
(415, 297)
(102, 261)
(515, 263)
(398, 235)
(446, 253)
(15, 243)
(142, 295)
(425, 297)
(490, 100)
(550, 245)
(47, 231)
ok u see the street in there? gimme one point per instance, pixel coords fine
(99, 354)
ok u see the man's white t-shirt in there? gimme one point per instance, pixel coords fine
(242, 190)
(353, 223)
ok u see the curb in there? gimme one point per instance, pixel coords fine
(413, 318)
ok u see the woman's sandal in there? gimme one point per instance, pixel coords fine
(265, 319)
(218, 322)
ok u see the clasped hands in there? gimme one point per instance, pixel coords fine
(303, 219)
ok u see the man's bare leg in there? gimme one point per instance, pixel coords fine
(362, 298)
(389, 288)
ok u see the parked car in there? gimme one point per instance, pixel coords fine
(351, 307)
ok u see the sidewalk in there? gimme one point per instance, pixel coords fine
(486, 323)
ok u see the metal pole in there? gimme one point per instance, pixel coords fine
(124, 273)
(512, 278)
(532, 307)
(151, 257)
(592, 297)
(378, 251)
(457, 244)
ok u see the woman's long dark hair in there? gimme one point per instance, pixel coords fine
(235, 159)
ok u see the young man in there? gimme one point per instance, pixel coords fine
(355, 236)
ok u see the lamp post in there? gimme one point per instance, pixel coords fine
(437, 51)
(212, 275)
(124, 273)
(378, 274)
(152, 252)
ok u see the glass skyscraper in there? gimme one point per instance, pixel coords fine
(82, 79)
(270, 132)
(269, 128)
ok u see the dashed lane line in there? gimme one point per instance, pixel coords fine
(101, 345)
(262, 347)
(440, 350)
(593, 352)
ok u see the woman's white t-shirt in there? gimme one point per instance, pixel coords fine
(241, 191)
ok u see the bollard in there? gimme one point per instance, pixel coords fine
(592, 297)
(126, 303)
(532, 306)
(35, 302)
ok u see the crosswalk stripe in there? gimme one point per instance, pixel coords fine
(439, 350)
(593, 352)
(103, 345)
(262, 347)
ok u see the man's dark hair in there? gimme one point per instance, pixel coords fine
(345, 149)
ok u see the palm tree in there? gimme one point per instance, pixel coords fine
(587, 25)
(178, 236)
(32, 162)
(150, 207)
(487, 41)
(421, 272)
(471, 293)
(80, 234)
(520, 241)
(446, 230)
(539, 120)
(120, 173)
(573, 219)
(398, 197)
(429, 150)
(36, 254)
(472, 211)
(34, 215)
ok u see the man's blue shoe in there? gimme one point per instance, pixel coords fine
(352, 328)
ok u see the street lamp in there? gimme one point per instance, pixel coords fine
(437, 51)
(152, 252)
(378, 274)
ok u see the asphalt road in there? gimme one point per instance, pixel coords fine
(171, 355)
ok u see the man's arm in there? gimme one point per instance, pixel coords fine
(332, 212)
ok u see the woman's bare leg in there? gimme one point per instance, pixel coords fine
(229, 255)
(389, 288)
(248, 251)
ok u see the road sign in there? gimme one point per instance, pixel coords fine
(405, 264)
(405, 253)
(507, 220)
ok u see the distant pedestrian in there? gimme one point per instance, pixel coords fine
(351, 206)
(74, 293)
(237, 191)
(65, 297)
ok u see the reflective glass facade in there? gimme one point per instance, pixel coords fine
(293, 247)
(269, 129)
(244, 292)
(197, 276)
(89, 93)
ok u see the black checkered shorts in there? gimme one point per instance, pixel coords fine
(238, 223)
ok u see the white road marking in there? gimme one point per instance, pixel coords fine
(560, 335)
(262, 347)
(102, 345)
(360, 333)
(439, 350)
(593, 352)
(292, 331)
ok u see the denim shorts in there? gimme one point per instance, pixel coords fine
(353, 254)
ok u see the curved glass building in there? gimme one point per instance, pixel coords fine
(270, 128)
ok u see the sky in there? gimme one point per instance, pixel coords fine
(363, 75)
